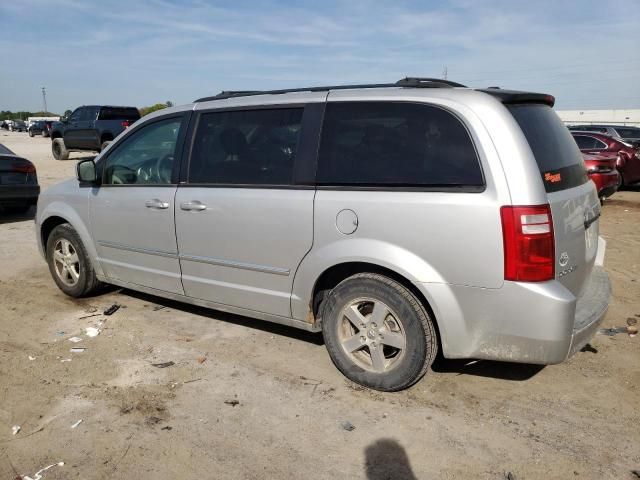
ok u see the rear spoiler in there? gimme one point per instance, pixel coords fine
(514, 96)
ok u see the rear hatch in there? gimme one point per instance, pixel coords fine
(574, 202)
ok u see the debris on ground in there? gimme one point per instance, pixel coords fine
(509, 476)
(65, 360)
(31, 358)
(92, 331)
(163, 364)
(232, 402)
(348, 426)
(38, 474)
(201, 360)
(632, 321)
(60, 333)
(167, 428)
(632, 331)
(89, 316)
(636, 473)
(112, 309)
(76, 424)
(158, 307)
(15, 429)
(77, 350)
(75, 339)
(91, 310)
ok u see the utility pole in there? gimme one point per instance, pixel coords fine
(44, 99)
(444, 72)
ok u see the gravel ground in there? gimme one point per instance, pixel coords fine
(478, 421)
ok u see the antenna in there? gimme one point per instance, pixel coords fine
(444, 72)
(44, 99)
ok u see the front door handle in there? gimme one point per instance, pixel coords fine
(156, 204)
(194, 205)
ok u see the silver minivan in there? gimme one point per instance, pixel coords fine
(398, 219)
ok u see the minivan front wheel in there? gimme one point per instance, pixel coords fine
(377, 332)
(69, 263)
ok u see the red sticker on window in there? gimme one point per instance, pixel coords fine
(552, 178)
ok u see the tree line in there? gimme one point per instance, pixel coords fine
(23, 115)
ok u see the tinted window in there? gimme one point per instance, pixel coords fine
(114, 113)
(628, 132)
(585, 142)
(144, 157)
(88, 114)
(559, 159)
(76, 115)
(253, 147)
(395, 144)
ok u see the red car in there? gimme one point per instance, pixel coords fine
(627, 157)
(602, 170)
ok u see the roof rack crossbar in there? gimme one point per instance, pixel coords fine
(413, 82)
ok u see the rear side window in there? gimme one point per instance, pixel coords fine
(586, 142)
(385, 144)
(628, 132)
(252, 147)
(111, 113)
(559, 159)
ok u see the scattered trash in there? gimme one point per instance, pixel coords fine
(632, 331)
(167, 428)
(232, 402)
(201, 360)
(158, 307)
(65, 360)
(75, 339)
(92, 331)
(636, 473)
(31, 358)
(91, 310)
(509, 476)
(112, 309)
(89, 316)
(163, 365)
(348, 426)
(76, 424)
(632, 321)
(15, 429)
(60, 333)
(38, 475)
(77, 350)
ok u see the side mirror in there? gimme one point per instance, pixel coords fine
(86, 172)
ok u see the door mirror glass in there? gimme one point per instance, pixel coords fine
(86, 171)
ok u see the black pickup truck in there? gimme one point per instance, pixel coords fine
(90, 128)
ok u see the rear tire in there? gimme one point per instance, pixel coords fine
(31, 134)
(59, 150)
(69, 262)
(377, 332)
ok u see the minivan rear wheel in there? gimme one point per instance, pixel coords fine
(377, 332)
(69, 263)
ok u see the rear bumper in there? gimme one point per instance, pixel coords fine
(606, 183)
(539, 323)
(13, 194)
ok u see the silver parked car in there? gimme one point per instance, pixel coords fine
(397, 219)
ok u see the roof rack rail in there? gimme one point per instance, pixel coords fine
(410, 82)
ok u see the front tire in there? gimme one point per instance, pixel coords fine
(377, 332)
(59, 150)
(31, 134)
(69, 263)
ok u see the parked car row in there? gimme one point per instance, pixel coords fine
(624, 133)
(14, 125)
(40, 127)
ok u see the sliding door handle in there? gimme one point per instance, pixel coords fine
(156, 204)
(193, 206)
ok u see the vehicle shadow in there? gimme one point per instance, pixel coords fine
(8, 217)
(385, 459)
(516, 372)
(262, 325)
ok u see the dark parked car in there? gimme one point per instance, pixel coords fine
(627, 158)
(36, 128)
(90, 128)
(19, 187)
(625, 133)
(602, 171)
(18, 126)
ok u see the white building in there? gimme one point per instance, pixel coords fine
(617, 117)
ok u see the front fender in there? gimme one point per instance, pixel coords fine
(348, 250)
(78, 216)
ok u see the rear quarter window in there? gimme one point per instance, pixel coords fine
(558, 157)
(110, 113)
(387, 144)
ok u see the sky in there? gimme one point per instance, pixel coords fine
(584, 52)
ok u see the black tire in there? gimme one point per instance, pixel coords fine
(87, 282)
(59, 150)
(105, 144)
(31, 134)
(407, 312)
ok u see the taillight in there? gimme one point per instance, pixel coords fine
(529, 251)
(125, 124)
(23, 168)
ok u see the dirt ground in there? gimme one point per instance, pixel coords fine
(480, 421)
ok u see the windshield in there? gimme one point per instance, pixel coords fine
(559, 160)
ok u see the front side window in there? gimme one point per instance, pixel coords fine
(395, 144)
(75, 116)
(145, 157)
(252, 147)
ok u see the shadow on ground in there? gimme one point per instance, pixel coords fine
(517, 372)
(386, 459)
(9, 217)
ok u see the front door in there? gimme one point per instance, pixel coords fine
(72, 129)
(243, 221)
(132, 212)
